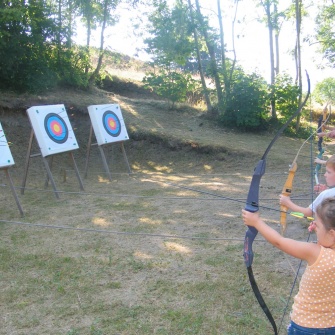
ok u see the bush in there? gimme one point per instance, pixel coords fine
(246, 104)
(171, 85)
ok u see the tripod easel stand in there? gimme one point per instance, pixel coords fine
(54, 135)
(108, 125)
(6, 161)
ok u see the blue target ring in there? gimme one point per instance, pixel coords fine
(111, 123)
(56, 128)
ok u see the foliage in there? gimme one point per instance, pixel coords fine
(70, 67)
(36, 50)
(324, 91)
(286, 95)
(171, 85)
(247, 106)
(325, 31)
(30, 58)
(25, 48)
(171, 40)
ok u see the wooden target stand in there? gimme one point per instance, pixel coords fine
(6, 161)
(10, 181)
(109, 128)
(36, 115)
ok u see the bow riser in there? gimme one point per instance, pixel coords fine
(287, 191)
(253, 206)
(321, 128)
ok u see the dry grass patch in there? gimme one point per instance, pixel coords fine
(138, 254)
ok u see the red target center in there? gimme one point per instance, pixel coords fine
(112, 124)
(56, 127)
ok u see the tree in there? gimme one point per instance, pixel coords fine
(324, 91)
(325, 31)
(298, 16)
(210, 43)
(26, 45)
(200, 67)
(170, 31)
(273, 19)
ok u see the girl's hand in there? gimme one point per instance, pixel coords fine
(249, 218)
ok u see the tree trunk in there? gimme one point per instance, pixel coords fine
(223, 54)
(59, 46)
(298, 5)
(276, 40)
(101, 50)
(267, 7)
(211, 51)
(88, 37)
(201, 72)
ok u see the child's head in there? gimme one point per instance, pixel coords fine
(330, 172)
(331, 162)
(326, 213)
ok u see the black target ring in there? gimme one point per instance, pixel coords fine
(56, 128)
(111, 123)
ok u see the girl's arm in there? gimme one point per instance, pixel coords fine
(302, 250)
(287, 202)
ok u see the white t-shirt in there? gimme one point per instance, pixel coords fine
(329, 193)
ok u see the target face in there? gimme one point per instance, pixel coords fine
(56, 128)
(6, 158)
(52, 129)
(111, 123)
(108, 123)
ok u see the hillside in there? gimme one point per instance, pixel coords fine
(147, 116)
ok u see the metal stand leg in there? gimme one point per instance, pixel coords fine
(77, 171)
(88, 151)
(14, 192)
(104, 161)
(50, 176)
(125, 157)
(27, 162)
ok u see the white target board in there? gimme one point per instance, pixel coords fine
(108, 123)
(52, 128)
(6, 158)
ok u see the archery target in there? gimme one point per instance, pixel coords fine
(6, 158)
(108, 123)
(56, 128)
(52, 129)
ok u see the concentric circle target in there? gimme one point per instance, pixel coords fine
(56, 128)
(111, 123)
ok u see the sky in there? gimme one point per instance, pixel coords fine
(251, 47)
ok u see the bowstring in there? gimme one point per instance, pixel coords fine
(312, 200)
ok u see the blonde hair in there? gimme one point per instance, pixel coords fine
(331, 162)
(326, 212)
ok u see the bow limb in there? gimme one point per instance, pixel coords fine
(252, 205)
(321, 128)
(287, 191)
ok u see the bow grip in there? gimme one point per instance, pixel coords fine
(252, 206)
(248, 254)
